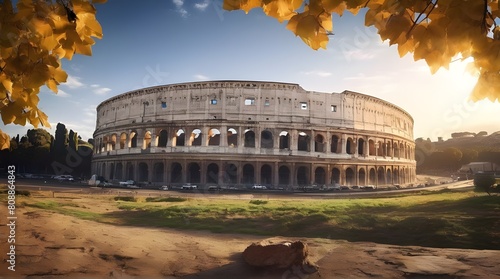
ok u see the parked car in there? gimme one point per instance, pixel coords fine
(104, 184)
(64, 177)
(259, 187)
(189, 186)
(127, 183)
(164, 188)
(369, 187)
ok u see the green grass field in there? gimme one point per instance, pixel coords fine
(433, 219)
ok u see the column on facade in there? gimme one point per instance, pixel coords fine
(203, 172)
(293, 139)
(276, 177)
(328, 143)
(223, 136)
(204, 135)
(312, 177)
(312, 141)
(343, 140)
(258, 166)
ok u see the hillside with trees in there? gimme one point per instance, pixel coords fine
(38, 152)
(461, 149)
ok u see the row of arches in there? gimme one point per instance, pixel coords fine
(245, 173)
(282, 139)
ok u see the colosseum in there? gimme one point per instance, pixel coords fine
(240, 133)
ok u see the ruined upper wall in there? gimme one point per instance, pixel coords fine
(272, 102)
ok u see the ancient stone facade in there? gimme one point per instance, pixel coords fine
(238, 133)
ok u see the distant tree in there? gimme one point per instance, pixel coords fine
(484, 182)
(73, 140)
(452, 158)
(482, 134)
(468, 155)
(39, 137)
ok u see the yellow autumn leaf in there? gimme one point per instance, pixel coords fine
(4, 141)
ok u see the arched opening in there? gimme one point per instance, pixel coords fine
(380, 151)
(119, 171)
(396, 150)
(349, 148)
(147, 140)
(319, 144)
(395, 177)
(231, 174)
(158, 172)
(232, 137)
(402, 151)
(361, 146)
(372, 177)
(320, 176)
(213, 174)
(111, 171)
(248, 175)
(195, 138)
(113, 142)
(249, 138)
(143, 172)
(133, 140)
(335, 176)
(163, 138)
(103, 169)
(334, 147)
(389, 177)
(213, 137)
(349, 177)
(381, 176)
(123, 140)
(266, 175)
(266, 139)
(361, 177)
(303, 142)
(105, 146)
(129, 171)
(194, 173)
(179, 138)
(284, 140)
(176, 173)
(371, 148)
(302, 176)
(284, 176)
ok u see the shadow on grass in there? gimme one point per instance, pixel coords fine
(472, 222)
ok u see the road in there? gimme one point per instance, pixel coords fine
(77, 187)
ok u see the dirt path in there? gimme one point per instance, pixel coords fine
(50, 245)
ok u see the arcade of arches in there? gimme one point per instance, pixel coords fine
(254, 155)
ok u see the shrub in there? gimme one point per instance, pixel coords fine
(484, 182)
(258, 202)
(131, 199)
(169, 199)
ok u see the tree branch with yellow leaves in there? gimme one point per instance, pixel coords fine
(438, 31)
(34, 37)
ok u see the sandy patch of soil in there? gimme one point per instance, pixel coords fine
(50, 245)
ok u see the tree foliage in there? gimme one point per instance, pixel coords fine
(438, 31)
(484, 182)
(34, 36)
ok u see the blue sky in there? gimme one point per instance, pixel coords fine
(153, 42)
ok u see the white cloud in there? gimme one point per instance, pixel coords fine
(62, 94)
(202, 5)
(73, 82)
(317, 73)
(201, 77)
(179, 7)
(97, 89)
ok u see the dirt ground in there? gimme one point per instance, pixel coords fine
(51, 245)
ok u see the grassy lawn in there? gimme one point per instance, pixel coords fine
(442, 219)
